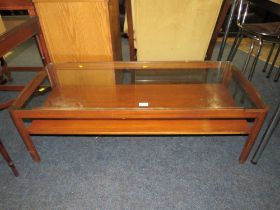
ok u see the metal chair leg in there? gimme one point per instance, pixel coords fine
(6, 156)
(273, 63)
(268, 57)
(277, 75)
(235, 46)
(266, 137)
(252, 70)
(249, 55)
(229, 22)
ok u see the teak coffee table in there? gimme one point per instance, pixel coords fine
(147, 98)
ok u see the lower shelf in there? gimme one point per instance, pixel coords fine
(139, 127)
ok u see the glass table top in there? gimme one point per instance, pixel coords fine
(154, 85)
(7, 23)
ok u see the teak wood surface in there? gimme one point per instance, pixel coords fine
(72, 109)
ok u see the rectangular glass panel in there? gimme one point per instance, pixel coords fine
(82, 86)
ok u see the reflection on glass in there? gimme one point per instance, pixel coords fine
(239, 95)
(84, 87)
(166, 76)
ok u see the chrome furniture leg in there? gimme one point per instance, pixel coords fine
(252, 70)
(229, 22)
(277, 75)
(273, 63)
(268, 57)
(249, 55)
(235, 46)
(266, 137)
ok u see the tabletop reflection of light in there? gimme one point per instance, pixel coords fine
(214, 102)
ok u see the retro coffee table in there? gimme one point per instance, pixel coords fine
(147, 98)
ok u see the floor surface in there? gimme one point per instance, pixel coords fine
(133, 173)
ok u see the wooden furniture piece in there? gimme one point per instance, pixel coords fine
(130, 33)
(3, 150)
(80, 30)
(14, 31)
(225, 7)
(173, 30)
(29, 7)
(7, 158)
(145, 98)
(17, 5)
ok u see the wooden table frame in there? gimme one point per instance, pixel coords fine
(33, 28)
(7, 158)
(142, 117)
(13, 39)
(19, 35)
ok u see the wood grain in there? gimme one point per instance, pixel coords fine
(76, 31)
(174, 30)
(6, 156)
(139, 127)
(115, 29)
(169, 96)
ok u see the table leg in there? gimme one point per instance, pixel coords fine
(6, 104)
(40, 41)
(252, 137)
(6, 156)
(5, 70)
(26, 137)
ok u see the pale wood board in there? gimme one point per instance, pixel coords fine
(276, 1)
(174, 30)
(76, 31)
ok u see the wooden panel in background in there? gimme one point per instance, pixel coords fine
(174, 30)
(276, 1)
(76, 31)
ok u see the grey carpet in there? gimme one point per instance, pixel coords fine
(162, 172)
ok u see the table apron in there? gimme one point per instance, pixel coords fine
(138, 114)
